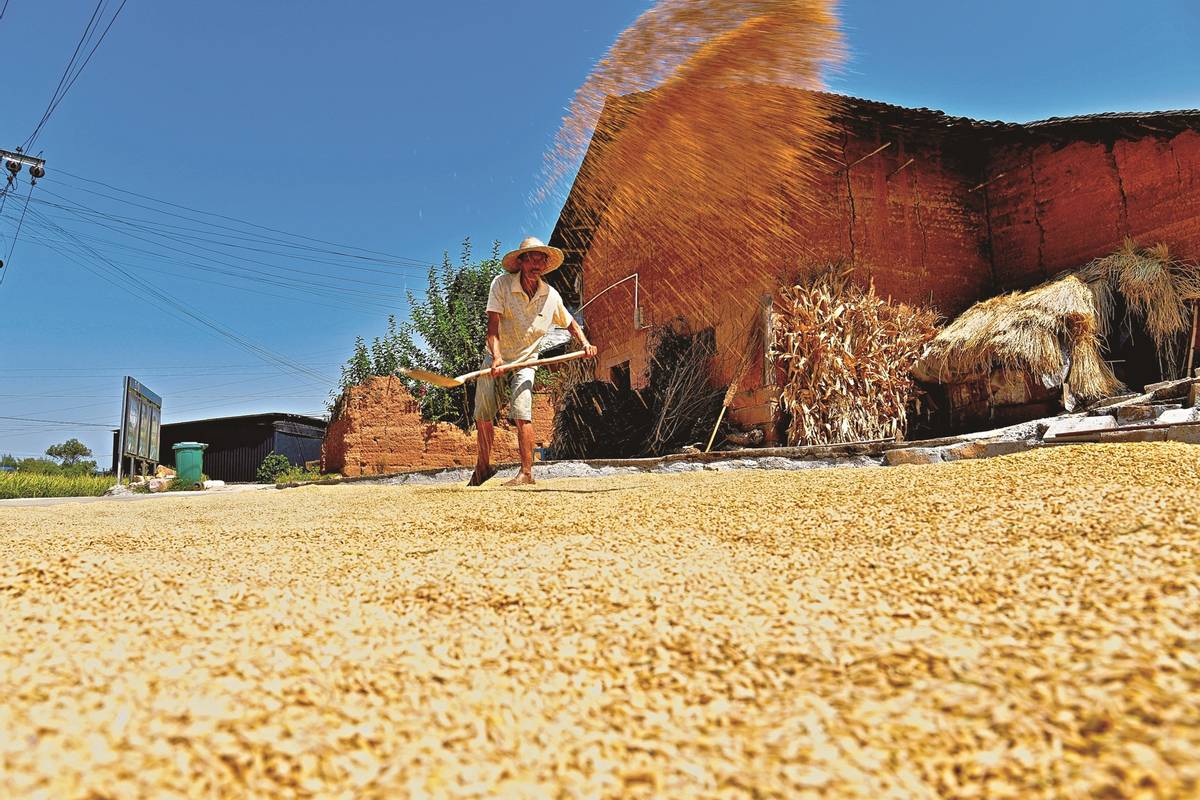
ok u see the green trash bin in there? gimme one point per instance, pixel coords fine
(189, 461)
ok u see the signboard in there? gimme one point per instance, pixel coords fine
(140, 429)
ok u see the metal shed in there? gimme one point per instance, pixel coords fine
(238, 445)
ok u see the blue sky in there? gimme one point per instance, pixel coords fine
(399, 128)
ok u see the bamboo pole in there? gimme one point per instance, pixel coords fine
(1191, 342)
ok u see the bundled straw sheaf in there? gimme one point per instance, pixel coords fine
(1157, 291)
(847, 355)
(1057, 331)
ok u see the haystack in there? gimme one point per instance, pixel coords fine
(1057, 332)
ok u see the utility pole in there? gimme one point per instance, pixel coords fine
(15, 159)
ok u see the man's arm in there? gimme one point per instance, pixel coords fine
(493, 342)
(577, 332)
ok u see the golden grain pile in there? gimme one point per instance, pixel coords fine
(847, 356)
(1027, 626)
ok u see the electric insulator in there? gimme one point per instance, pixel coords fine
(13, 166)
(37, 171)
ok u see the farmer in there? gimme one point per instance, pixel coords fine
(521, 309)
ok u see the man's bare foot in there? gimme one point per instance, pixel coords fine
(522, 479)
(476, 480)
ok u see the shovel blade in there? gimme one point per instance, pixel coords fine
(431, 377)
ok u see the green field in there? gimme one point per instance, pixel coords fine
(28, 484)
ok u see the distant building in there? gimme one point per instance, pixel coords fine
(238, 445)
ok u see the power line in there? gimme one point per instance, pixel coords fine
(155, 294)
(57, 422)
(87, 32)
(343, 247)
(402, 262)
(202, 387)
(184, 238)
(154, 371)
(412, 269)
(276, 272)
(68, 78)
(361, 305)
(215, 237)
(196, 251)
(7, 267)
(82, 66)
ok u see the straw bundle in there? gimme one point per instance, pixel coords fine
(1157, 290)
(1057, 331)
(847, 355)
(1052, 331)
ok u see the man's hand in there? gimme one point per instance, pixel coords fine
(590, 350)
(497, 363)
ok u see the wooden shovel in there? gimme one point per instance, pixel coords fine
(450, 383)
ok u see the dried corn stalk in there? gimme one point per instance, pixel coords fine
(847, 355)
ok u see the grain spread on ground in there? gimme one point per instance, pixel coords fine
(1026, 626)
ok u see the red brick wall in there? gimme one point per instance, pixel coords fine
(1055, 207)
(910, 226)
(380, 431)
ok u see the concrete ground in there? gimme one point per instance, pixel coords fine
(1020, 626)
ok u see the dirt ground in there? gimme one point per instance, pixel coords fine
(1026, 626)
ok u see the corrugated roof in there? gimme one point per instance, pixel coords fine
(267, 417)
(1185, 117)
(1190, 114)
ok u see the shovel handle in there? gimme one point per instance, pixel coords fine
(537, 362)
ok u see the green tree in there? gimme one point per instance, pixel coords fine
(69, 452)
(358, 367)
(446, 333)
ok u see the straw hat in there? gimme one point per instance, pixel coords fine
(532, 244)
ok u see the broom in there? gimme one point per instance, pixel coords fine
(451, 382)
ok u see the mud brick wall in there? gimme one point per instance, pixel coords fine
(380, 431)
(1057, 206)
(930, 209)
(904, 216)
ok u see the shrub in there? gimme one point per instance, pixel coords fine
(302, 475)
(446, 333)
(272, 467)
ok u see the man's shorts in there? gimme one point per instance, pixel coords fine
(520, 406)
